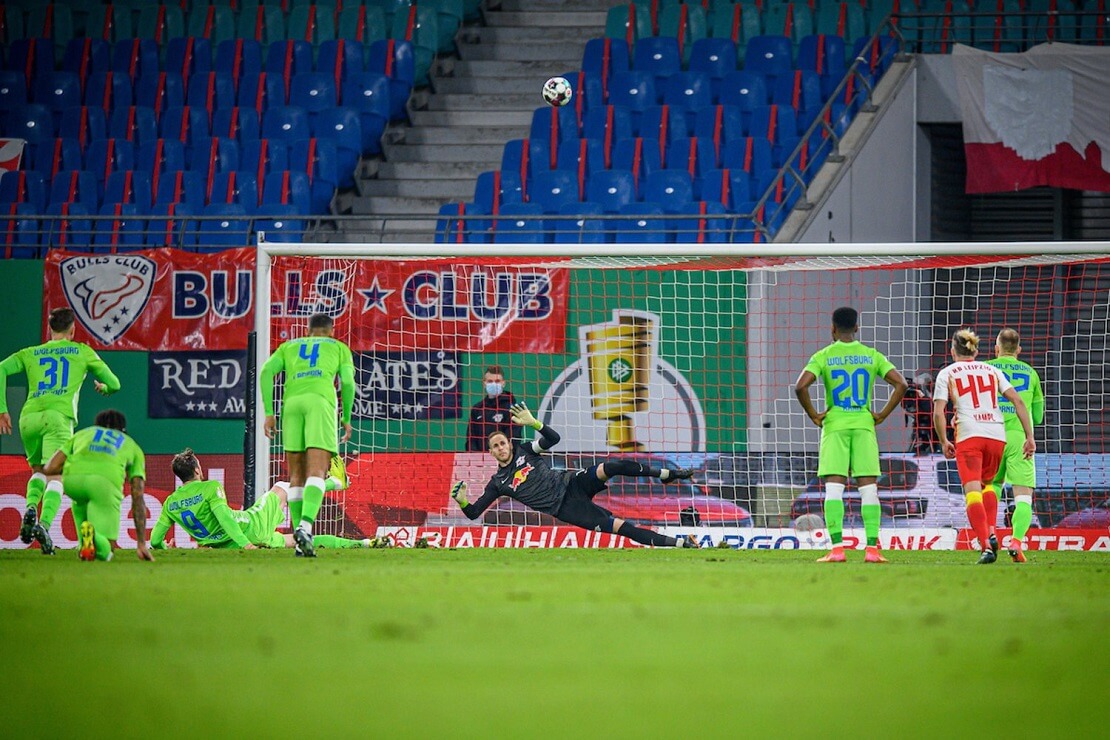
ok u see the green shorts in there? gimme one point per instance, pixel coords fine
(854, 451)
(309, 421)
(1015, 469)
(264, 519)
(44, 433)
(96, 499)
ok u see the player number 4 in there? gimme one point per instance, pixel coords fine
(312, 355)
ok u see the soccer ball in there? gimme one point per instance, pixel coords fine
(557, 91)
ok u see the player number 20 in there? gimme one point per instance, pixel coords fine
(857, 382)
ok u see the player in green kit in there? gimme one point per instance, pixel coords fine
(200, 508)
(94, 464)
(848, 441)
(1016, 469)
(308, 423)
(55, 372)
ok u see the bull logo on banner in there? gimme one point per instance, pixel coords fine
(108, 293)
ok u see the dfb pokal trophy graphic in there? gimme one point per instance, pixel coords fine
(619, 354)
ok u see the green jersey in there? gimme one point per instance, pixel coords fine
(1028, 385)
(104, 452)
(311, 365)
(200, 508)
(848, 370)
(55, 371)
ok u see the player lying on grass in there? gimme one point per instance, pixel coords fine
(974, 388)
(200, 508)
(522, 474)
(93, 464)
(1016, 469)
(55, 372)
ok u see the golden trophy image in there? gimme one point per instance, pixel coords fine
(619, 355)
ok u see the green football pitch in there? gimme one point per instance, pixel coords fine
(554, 643)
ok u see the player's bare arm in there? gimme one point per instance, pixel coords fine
(801, 392)
(138, 516)
(940, 427)
(896, 381)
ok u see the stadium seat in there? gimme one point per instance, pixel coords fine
(715, 58)
(649, 228)
(50, 21)
(212, 155)
(111, 22)
(659, 57)
(211, 92)
(878, 55)
(779, 126)
(285, 59)
(516, 157)
(226, 225)
(691, 155)
(588, 92)
(130, 186)
(32, 57)
(362, 23)
(158, 157)
(720, 124)
(19, 232)
(214, 22)
(233, 187)
(160, 92)
(23, 186)
(84, 124)
(262, 23)
(368, 93)
(57, 91)
(124, 232)
(240, 58)
(419, 26)
(791, 20)
(844, 19)
(1001, 30)
(68, 226)
(343, 127)
(633, 90)
(188, 57)
(237, 123)
(948, 23)
(639, 156)
(449, 17)
(277, 222)
(289, 188)
(186, 124)
(13, 91)
(769, 55)
(603, 57)
(341, 58)
(313, 91)
(663, 122)
(396, 60)
(754, 157)
(824, 55)
(553, 125)
(726, 187)
(105, 156)
(312, 23)
(553, 189)
(51, 157)
(160, 23)
(181, 187)
(75, 186)
(137, 57)
(745, 90)
(630, 22)
(687, 92)
(611, 189)
(671, 189)
(581, 157)
(608, 125)
(83, 56)
(109, 91)
(172, 225)
(519, 223)
(737, 22)
(261, 156)
(285, 123)
(685, 22)
(262, 92)
(699, 222)
(801, 91)
(32, 122)
(494, 189)
(582, 229)
(319, 159)
(452, 227)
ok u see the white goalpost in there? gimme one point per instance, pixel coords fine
(685, 354)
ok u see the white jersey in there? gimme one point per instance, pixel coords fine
(973, 387)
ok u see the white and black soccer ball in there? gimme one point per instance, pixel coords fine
(557, 91)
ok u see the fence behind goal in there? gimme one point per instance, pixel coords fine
(686, 359)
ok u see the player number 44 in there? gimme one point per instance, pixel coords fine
(979, 387)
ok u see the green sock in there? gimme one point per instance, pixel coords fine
(313, 499)
(871, 514)
(35, 488)
(340, 543)
(295, 508)
(103, 546)
(1022, 518)
(331, 483)
(51, 500)
(834, 519)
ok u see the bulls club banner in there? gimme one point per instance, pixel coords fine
(178, 301)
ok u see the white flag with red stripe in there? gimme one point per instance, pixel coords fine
(1037, 118)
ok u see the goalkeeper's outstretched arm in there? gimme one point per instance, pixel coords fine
(474, 510)
(548, 437)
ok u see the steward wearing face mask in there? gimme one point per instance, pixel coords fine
(491, 414)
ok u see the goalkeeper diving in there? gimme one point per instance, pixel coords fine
(522, 474)
(200, 507)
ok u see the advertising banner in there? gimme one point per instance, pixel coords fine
(196, 385)
(407, 385)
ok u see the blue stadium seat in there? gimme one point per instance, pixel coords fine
(311, 23)
(13, 91)
(69, 227)
(109, 91)
(172, 225)
(878, 55)
(135, 123)
(754, 157)
(715, 57)
(659, 57)
(277, 221)
(800, 90)
(519, 223)
(649, 228)
(23, 186)
(285, 123)
(397, 61)
(263, 23)
(639, 156)
(700, 222)
(607, 123)
(233, 187)
(130, 186)
(605, 56)
(181, 187)
(75, 186)
(186, 124)
(633, 90)
(553, 189)
(343, 127)
(517, 157)
(720, 124)
(319, 159)
(496, 188)
(84, 124)
(105, 156)
(135, 58)
(313, 91)
(211, 155)
(692, 155)
(745, 90)
(241, 58)
(580, 230)
(553, 125)
(261, 156)
(663, 122)
(452, 227)
(160, 92)
(51, 157)
(341, 58)
(368, 93)
(688, 92)
(160, 156)
(611, 189)
(57, 91)
(288, 58)
(685, 22)
(262, 92)
(671, 189)
(19, 232)
(32, 57)
(189, 57)
(32, 122)
(288, 188)
(110, 23)
(227, 226)
(83, 56)
(211, 91)
(728, 188)
(362, 23)
(237, 123)
(824, 55)
(779, 126)
(124, 233)
(581, 157)
(769, 55)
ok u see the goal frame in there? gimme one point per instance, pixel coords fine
(669, 252)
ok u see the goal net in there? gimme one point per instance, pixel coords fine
(684, 358)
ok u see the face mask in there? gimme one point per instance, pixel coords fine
(494, 389)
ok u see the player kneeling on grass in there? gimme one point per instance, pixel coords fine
(94, 464)
(974, 387)
(566, 495)
(200, 508)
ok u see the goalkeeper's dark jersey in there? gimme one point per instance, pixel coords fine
(527, 478)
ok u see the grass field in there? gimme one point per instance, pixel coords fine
(554, 643)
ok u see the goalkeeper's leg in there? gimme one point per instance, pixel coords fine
(579, 510)
(634, 469)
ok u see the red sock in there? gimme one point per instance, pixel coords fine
(977, 516)
(990, 507)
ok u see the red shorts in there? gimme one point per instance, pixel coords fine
(978, 458)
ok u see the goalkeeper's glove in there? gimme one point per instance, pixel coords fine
(521, 415)
(458, 492)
